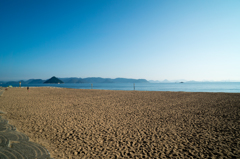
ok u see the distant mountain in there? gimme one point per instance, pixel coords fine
(16, 82)
(30, 81)
(70, 80)
(36, 81)
(154, 81)
(157, 81)
(125, 80)
(95, 80)
(78, 80)
(53, 80)
(172, 81)
(165, 81)
(102, 80)
(192, 81)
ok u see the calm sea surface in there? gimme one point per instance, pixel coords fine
(232, 87)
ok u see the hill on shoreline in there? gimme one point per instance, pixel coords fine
(53, 80)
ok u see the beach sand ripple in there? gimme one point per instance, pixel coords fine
(73, 123)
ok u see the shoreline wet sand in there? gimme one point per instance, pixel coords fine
(75, 123)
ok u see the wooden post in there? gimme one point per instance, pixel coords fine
(91, 85)
(134, 86)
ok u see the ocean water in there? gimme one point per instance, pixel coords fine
(230, 87)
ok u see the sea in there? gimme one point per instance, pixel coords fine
(228, 87)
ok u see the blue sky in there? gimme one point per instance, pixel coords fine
(150, 39)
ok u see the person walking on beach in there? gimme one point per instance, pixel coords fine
(28, 89)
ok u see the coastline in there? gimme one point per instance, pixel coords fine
(225, 87)
(94, 123)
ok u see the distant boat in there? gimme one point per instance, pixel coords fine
(181, 82)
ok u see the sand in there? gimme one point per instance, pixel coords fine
(74, 123)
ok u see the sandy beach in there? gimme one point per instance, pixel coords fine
(74, 123)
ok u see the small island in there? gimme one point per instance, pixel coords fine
(53, 80)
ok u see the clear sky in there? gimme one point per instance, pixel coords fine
(150, 39)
